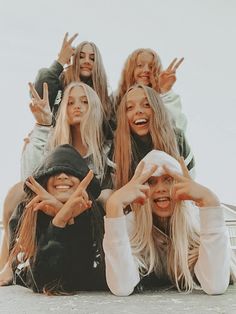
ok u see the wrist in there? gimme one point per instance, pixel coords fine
(209, 200)
(61, 61)
(114, 208)
(58, 222)
(43, 124)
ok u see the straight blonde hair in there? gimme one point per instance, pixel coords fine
(161, 132)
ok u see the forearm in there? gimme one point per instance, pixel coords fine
(122, 273)
(213, 265)
(34, 150)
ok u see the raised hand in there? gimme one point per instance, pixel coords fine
(135, 191)
(43, 200)
(187, 189)
(67, 51)
(167, 77)
(76, 204)
(40, 106)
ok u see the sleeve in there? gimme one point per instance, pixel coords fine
(50, 263)
(51, 76)
(213, 265)
(122, 273)
(33, 151)
(172, 102)
(185, 151)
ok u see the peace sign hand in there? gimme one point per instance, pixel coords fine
(67, 51)
(40, 106)
(135, 191)
(43, 200)
(187, 189)
(167, 77)
(76, 204)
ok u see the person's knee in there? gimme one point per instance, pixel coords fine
(14, 196)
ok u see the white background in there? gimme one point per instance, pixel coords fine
(202, 31)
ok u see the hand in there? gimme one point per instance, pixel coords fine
(76, 204)
(187, 189)
(43, 201)
(67, 51)
(167, 77)
(135, 191)
(40, 107)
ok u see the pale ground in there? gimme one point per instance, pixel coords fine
(15, 299)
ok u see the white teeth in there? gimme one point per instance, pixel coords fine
(140, 121)
(62, 187)
(162, 199)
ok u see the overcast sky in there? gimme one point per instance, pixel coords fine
(202, 31)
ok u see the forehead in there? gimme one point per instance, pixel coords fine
(77, 91)
(145, 57)
(136, 94)
(87, 48)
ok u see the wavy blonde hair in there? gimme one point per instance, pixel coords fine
(183, 249)
(99, 77)
(127, 76)
(161, 132)
(90, 127)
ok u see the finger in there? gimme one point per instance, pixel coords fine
(171, 65)
(173, 174)
(34, 201)
(139, 170)
(72, 38)
(147, 174)
(85, 196)
(71, 221)
(31, 186)
(33, 91)
(184, 168)
(85, 182)
(178, 64)
(45, 91)
(65, 39)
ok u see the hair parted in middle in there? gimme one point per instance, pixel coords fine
(127, 76)
(161, 132)
(98, 79)
(90, 127)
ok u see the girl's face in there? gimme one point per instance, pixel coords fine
(62, 185)
(143, 69)
(161, 201)
(138, 112)
(86, 60)
(77, 105)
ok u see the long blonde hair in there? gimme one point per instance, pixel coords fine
(127, 76)
(161, 132)
(99, 77)
(182, 252)
(90, 127)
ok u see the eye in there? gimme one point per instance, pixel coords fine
(168, 180)
(152, 181)
(70, 102)
(129, 107)
(84, 102)
(92, 58)
(82, 55)
(146, 105)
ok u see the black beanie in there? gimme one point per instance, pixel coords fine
(65, 158)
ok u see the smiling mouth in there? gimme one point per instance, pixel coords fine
(62, 187)
(141, 121)
(162, 202)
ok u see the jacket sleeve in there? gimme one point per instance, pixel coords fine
(213, 265)
(51, 76)
(185, 151)
(172, 102)
(50, 263)
(33, 151)
(122, 273)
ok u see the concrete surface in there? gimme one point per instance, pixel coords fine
(15, 299)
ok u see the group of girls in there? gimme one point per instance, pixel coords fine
(107, 198)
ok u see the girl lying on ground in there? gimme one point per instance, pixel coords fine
(166, 239)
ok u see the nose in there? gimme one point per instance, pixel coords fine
(77, 104)
(62, 176)
(146, 68)
(139, 109)
(86, 59)
(161, 187)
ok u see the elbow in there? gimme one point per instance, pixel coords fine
(122, 292)
(215, 288)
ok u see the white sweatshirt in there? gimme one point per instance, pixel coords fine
(212, 268)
